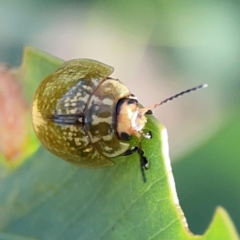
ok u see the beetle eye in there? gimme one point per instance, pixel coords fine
(125, 136)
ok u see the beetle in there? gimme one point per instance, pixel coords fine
(87, 118)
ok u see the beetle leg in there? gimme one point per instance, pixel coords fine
(130, 151)
(144, 164)
(143, 159)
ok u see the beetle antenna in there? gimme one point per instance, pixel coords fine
(176, 96)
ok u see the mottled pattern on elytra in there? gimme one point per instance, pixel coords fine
(100, 118)
(74, 101)
(61, 100)
(57, 91)
(70, 142)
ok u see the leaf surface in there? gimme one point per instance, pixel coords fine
(47, 198)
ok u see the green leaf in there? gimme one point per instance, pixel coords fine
(221, 227)
(47, 198)
(214, 172)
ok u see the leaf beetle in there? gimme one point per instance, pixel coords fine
(87, 118)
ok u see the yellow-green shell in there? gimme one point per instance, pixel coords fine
(74, 113)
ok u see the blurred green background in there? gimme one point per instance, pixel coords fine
(157, 48)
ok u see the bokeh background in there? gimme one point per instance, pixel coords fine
(158, 48)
